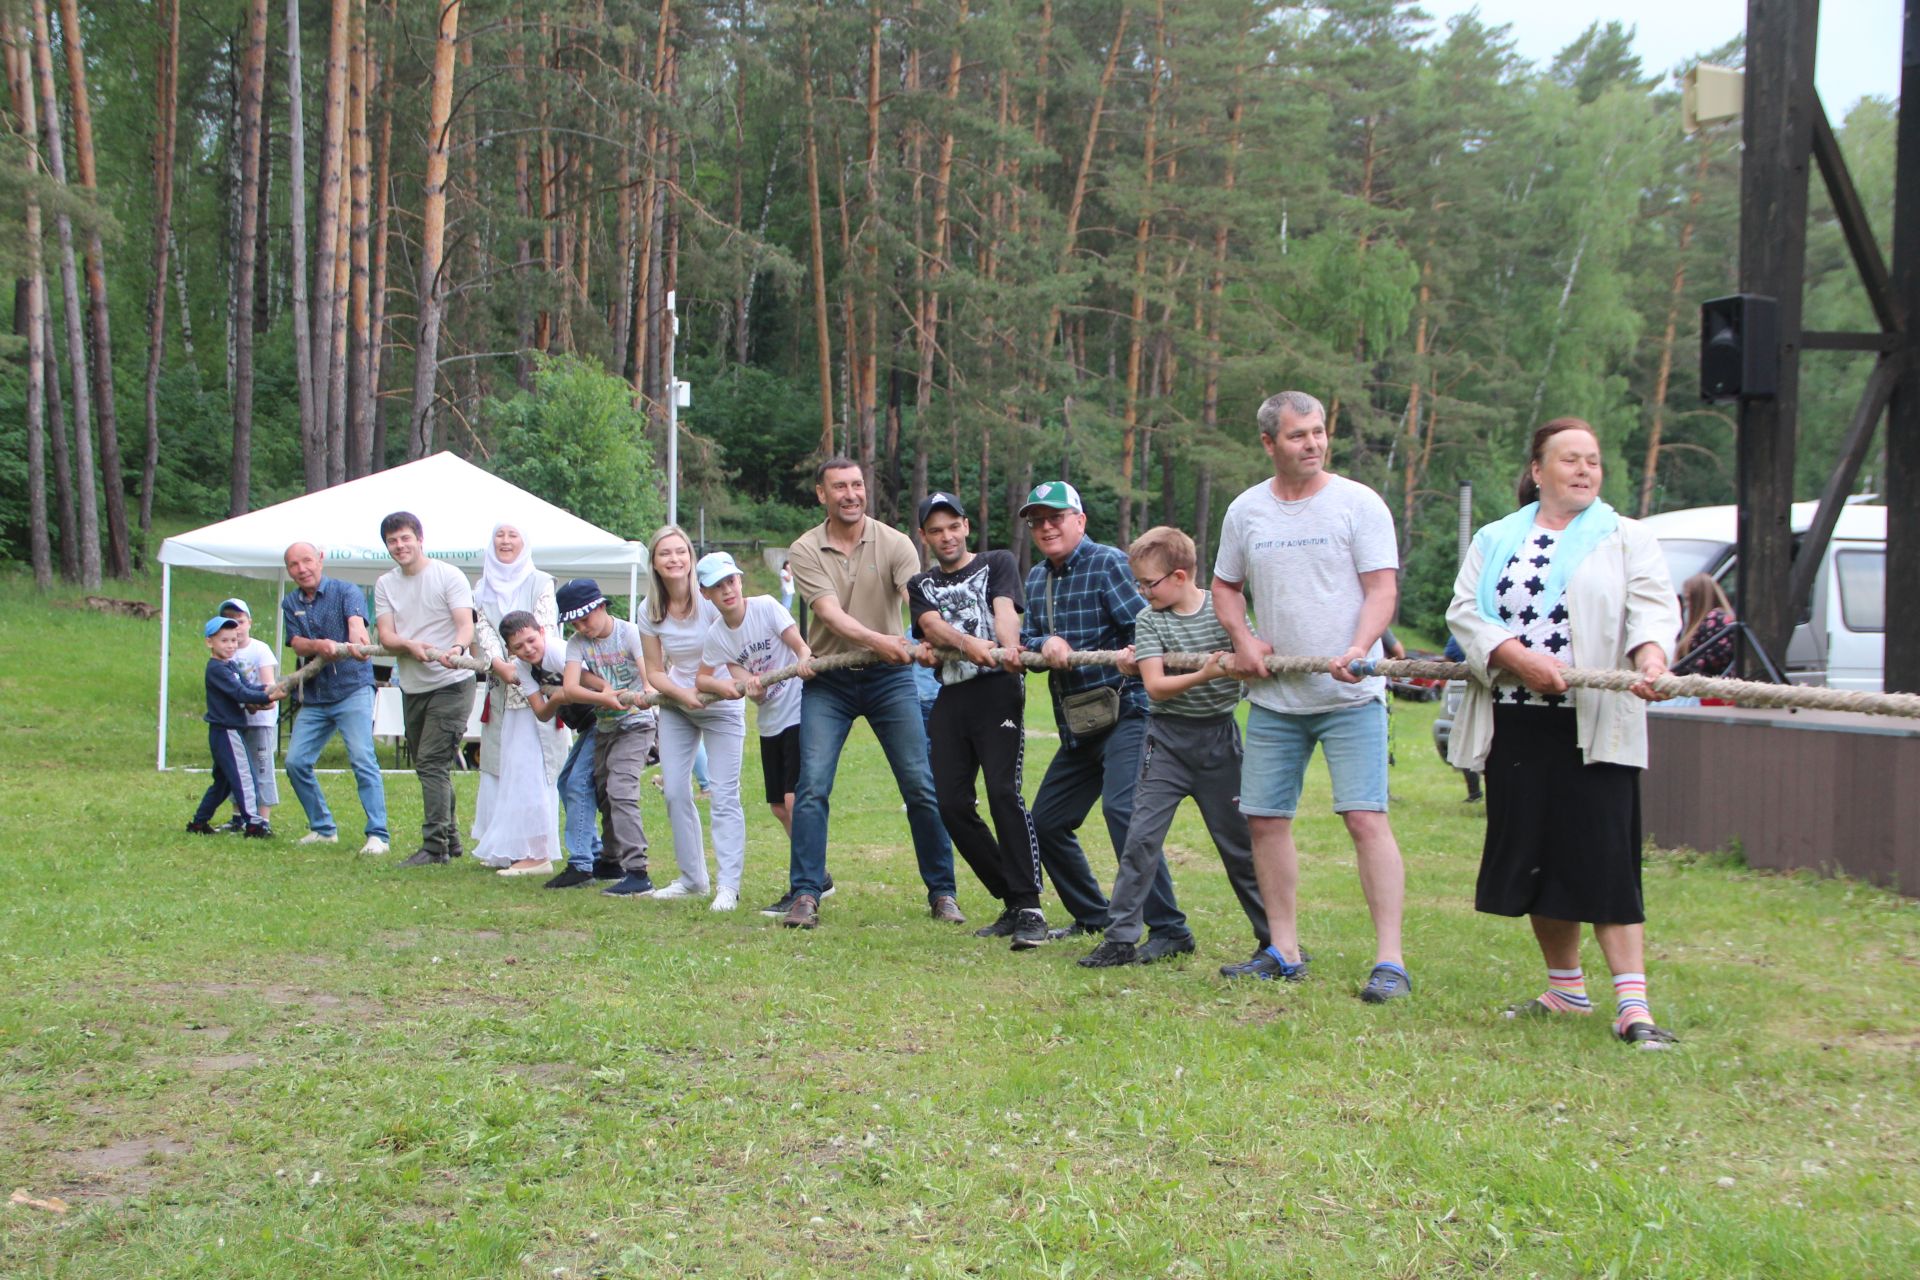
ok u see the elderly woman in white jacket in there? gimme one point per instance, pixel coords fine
(1564, 581)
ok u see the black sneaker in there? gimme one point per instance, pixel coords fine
(1264, 964)
(635, 884)
(569, 878)
(1074, 930)
(1030, 930)
(607, 871)
(785, 904)
(204, 829)
(257, 831)
(1159, 948)
(425, 858)
(1002, 927)
(1109, 955)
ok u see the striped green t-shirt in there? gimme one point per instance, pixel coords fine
(1162, 631)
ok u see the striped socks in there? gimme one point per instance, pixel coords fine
(1566, 992)
(1630, 1001)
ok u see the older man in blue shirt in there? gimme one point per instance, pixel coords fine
(1082, 596)
(321, 615)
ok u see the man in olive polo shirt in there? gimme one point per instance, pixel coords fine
(852, 573)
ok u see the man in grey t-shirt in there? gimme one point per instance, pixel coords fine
(422, 607)
(1316, 553)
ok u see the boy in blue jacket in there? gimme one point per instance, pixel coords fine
(228, 696)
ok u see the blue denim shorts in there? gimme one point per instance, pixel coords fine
(1279, 747)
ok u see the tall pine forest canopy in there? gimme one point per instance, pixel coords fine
(258, 249)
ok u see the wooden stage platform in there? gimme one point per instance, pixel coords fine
(1825, 790)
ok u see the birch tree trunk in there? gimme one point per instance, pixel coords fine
(432, 291)
(35, 322)
(84, 495)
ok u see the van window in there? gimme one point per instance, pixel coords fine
(1688, 556)
(1863, 589)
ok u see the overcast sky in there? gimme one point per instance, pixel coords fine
(1859, 47)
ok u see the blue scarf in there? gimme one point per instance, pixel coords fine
(1500, 540)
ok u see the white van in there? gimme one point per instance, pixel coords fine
(1841, 641)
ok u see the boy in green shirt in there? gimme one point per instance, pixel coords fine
(1193, 742)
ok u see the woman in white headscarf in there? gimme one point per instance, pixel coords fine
(509, 583)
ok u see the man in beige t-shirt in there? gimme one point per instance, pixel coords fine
(423, 606)
(852, 572)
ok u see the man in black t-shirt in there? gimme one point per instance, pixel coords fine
(971, 604)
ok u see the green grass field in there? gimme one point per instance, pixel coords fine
(239, 1059)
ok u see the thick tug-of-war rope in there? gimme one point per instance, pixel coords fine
(1745, 693)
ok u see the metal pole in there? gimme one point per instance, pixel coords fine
(166, 633)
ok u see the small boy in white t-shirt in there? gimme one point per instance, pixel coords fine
(755, 635)
(259, 665)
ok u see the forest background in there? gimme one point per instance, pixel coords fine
(255, 249)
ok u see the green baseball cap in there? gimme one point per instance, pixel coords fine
(1055, 495)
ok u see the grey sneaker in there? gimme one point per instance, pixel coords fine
(1030, 930)
(1265, 964)
(1109, 955)
(425, 858)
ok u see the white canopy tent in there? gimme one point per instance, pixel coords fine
(458, 505)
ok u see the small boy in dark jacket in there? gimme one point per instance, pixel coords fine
(228, 697)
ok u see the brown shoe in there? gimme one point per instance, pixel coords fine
(804, 913)
(946, 910)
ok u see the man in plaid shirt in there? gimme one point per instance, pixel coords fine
(1082, 596)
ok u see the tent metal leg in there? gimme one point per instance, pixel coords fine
(166, 636)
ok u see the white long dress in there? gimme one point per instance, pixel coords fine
(524, 821)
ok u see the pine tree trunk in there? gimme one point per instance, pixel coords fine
(337, 357)
(84, 493)
(166, 93)
(823, 333)
(523, 206)
(297, 221)
(326, 240)
(33, 323)
(360, 267)
(1203, 519)
(113, 484)
(1137, 315)
(1076, 203)
(432, 291)
(376, 455)
(252, 134)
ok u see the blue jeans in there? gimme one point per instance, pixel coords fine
(890, 702)
(1107, 769)
(352, 719)
(576, 795)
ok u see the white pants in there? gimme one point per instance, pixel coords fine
(680, 736)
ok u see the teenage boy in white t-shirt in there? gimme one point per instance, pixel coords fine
(755, 635)
(260, 666)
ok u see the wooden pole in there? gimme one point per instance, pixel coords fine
(1778, 126)
(1903, 414)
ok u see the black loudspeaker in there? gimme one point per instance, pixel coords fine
(1739, 348)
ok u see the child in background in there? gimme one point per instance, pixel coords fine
(228, 696)
(259, 665)
(522, 837)
(609, 648)
(1193, 741)
(751, 637)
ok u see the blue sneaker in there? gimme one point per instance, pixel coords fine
(1388, 981)
(1269, 964)
(635, 884)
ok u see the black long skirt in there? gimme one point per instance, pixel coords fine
(1563, 837)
